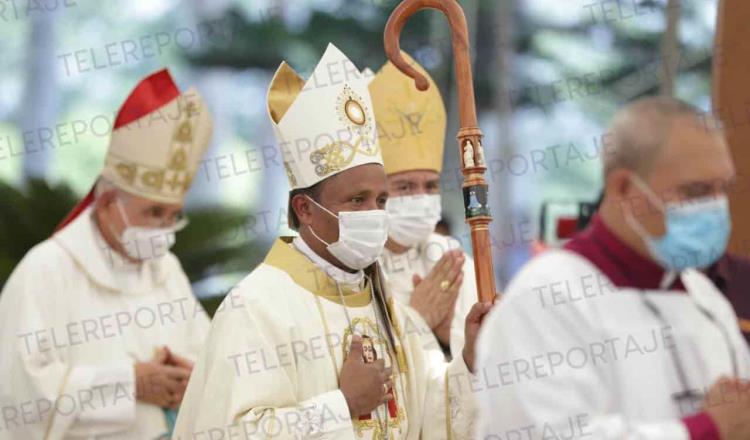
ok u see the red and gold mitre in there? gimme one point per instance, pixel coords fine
(158, 139)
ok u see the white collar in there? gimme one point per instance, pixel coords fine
(390, 260)
(668, 279)
(348, 279)
(413, 251)
(83, 241)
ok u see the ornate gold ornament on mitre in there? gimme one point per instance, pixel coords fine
(411, 124)
(158, 140)
(324, 125)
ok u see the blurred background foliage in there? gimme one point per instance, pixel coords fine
(28, 217)
(548, 76)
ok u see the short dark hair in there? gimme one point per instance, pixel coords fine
(311, 191)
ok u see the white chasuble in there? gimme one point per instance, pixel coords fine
(74, 318)
(275, 351)
(566, 354)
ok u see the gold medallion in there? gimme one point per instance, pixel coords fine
(354, 111)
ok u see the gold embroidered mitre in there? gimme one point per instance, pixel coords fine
(411, 124)
(158, 140)
(324, 125)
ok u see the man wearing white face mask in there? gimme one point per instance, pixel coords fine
(153, 240)
(619, 335)
(318, 350)
(428, 271)
(98, 324)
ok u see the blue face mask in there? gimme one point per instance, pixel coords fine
(697, 231)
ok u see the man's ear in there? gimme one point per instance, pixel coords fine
(105, 199)
(303, 209)
(618, 183)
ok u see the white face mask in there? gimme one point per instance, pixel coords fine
(362, 236)
(411, 219)
(143, 243)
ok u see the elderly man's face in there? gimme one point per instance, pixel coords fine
(695, 163)
(138, 210)
(116, 210)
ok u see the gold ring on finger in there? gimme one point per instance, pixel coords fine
(444, 285)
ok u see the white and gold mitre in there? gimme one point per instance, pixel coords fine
(411, 124)
(158, 140)
(324, 125)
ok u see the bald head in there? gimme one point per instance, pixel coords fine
(641, 129)
(662, 151)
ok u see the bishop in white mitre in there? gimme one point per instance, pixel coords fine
(620, 335)
(424, 269)
(98, 323)
(317, 349)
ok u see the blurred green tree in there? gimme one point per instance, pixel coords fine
(217, 241)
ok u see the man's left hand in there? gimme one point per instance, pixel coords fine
(471, 331)
(174, 360)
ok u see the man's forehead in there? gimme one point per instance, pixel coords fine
(690, 140)
(354, 187)
(414, 176)
(693, 127)
(361, 176)
(693, 153)
(143, 202)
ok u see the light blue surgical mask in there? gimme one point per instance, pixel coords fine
(697, 231)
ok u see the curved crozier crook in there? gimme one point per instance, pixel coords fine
(475, 187)
(460, 41)
(392, 43)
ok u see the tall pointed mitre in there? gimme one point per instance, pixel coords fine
(324, 125)
(158, 139)
(411, 124)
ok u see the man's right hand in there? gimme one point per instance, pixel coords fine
(363, 384)
(434, 297)
(160, 384)
(728, 404)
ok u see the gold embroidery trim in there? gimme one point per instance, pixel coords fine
(400, 355)
(448, 427)
(306, 274)
(322, 314)
(175, 177)
(372, 424)
(338, 155)
(354, 114)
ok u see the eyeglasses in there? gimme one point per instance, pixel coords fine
(152, 216)
(155, 218)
